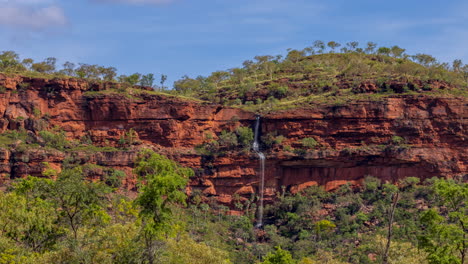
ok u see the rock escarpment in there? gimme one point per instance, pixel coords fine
(389, 138)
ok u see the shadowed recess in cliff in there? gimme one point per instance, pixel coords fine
(299, 177)
(261, 156)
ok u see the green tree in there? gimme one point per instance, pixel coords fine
(396, 51)
(165, 181)
(27, 63)
(446, 228)
(133, 79)
(238, 75)
(87, 71)
(391, 217)
(263, 59)
(370, 47)
(47, 66)
(107, 73)
(456, 65)
(424, 59)
(352, 45)
(80, 201)
(187, 85)
(333, 45)
(251, 68)
(30, 222)
(147, 80)
(9, 61)
(270, 67)
(280, 256)
(217, 77)
(384, 51)
(186, 251)
(322, 227)
(68, 68)
(464, 71)
(266, 65)
(163, 80)
(295, 56)
(319, 46)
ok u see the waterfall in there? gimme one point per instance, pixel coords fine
(256, 148)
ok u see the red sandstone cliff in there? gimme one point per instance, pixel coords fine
(354, 139)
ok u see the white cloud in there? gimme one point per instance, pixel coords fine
(137, 2)
(31, 14)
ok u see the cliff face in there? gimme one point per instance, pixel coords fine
(353, 140)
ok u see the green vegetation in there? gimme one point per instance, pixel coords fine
(164, 184)
(446, 241)
(74, 220)
(12, 136)
(313, 75)
(309, 143)
(78, 220)
(397, 140)
(246, 136)
(241, 139)
(279, 257)
(272, 139)
(11, 63)
(54, 139)
(319, 74)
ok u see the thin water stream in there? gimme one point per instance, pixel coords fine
(261, 156)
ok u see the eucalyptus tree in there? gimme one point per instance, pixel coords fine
(163, 183)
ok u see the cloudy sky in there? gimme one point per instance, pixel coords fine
(196, 37)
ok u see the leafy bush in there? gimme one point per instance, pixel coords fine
(55, 139)
(246, 135)
(272, 138)
(37, 112)
(280, 256)
(208, 149)
(227, 139)
(300, 152)
(397, 140)
(309, 143)
(129, 138)
(114, 178)
(371, 184)
(278, 91)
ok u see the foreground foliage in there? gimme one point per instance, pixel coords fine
(74, 220)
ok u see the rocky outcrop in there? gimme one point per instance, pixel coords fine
(390, 138)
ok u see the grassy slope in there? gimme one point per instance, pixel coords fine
(326, 79)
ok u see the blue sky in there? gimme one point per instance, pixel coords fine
(196, 37)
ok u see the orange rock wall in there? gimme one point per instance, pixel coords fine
(353, 138)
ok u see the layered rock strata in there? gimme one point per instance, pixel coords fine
(389, 138)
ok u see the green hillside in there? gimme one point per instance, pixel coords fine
(315, 75)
